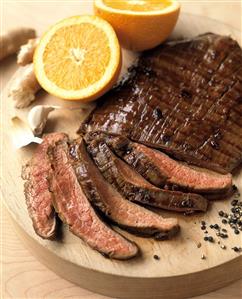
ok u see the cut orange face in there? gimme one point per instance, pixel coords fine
(78, 58)
(139, 24)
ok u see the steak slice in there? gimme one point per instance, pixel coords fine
(103, 196)
(75, 210)
(184, 97)
(160, 170)
(36, 188)
(135, 188)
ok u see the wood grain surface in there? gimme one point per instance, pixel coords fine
(23, 277)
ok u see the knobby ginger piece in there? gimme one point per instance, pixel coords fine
(24, 87)
(26, 52)
(11, 41)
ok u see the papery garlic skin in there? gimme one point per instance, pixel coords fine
(38, 117)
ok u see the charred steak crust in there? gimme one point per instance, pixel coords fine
(135, 188)
(184, 98)
(75, 210)
(162, 171)
(122, 212)
(36, 188)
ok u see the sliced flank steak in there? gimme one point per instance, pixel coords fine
(36, 188)
(135, 188)
(110, 202)
(74, 209)
(163, 171)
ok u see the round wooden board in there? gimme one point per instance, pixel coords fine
(179, 273)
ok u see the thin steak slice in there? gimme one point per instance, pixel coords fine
(160, 170)
(75, 210)
(124, 213)
(36, 188)
(184, 97)
(135, 188)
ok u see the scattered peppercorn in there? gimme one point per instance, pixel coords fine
(210, 239)
(216, 226)
(203, 223)
(203, 227)
(199, 245)
(224, 221)
(205, 238)
(224, 236)
(221, 213)
(211, 226)
(236, 231)
(156, 257)
(234, 202)
(203, 257)
(237, 249)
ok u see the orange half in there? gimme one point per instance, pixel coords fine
(139, 24)
(78, 58)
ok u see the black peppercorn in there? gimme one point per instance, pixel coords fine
(234, 202)
(210, 239)
(221, 213)
(156, 257)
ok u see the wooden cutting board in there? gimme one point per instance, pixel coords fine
(179, 273)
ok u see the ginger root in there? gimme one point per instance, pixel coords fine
(24, 87)
(12, 40)
(26, 52)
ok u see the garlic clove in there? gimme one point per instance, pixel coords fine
(38, 116)
(22, 134)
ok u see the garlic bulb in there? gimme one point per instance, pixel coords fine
(38, 117)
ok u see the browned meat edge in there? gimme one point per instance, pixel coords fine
(75, 210)
(162, 171)
(135, 188)
(103, 196)
(36, 189)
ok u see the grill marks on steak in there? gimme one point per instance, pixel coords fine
(185, 98)
(135, 188)
(161, 170)
(74, 209)
(36, 188)
(102, 195)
